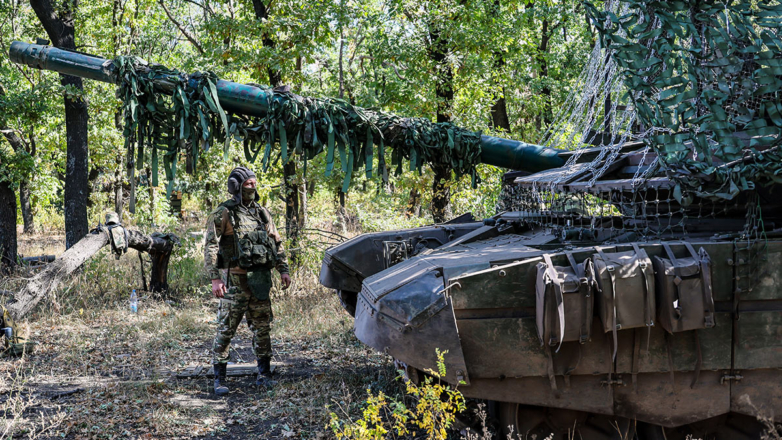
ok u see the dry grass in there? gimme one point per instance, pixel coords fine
(100, 371)
(117, 361)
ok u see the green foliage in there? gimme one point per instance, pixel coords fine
(372, 54)
(15, 164)
(434, 410)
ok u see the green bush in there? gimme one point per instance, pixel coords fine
(434, 410)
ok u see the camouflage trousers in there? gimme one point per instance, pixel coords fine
(248, 295)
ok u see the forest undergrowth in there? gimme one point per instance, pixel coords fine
(100, 371)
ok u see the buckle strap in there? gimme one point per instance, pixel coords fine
(614, 325)
(698, 360)
(550, 369)
(648, 318)
(707, 289)
(583, 290)
(559, 300)
(677, 280)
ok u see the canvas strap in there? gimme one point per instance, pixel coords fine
(611, 369)
(636, 357)
(570, 370)
(550, 368)
(612, 276)
(235, 225)
(583, 289)
(677, 281)
(648, 318)
(708, 298)
(669, 349)
(560, 302)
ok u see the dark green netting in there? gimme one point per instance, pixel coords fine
(189, 118)
(706, 76)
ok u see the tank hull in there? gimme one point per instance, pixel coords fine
(475, 298)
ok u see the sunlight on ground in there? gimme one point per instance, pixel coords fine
(100, 371)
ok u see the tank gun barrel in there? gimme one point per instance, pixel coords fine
(254, 101)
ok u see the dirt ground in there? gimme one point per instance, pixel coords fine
(101, 377)
(100, 371)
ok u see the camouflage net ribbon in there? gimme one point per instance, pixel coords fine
(192, 119)
(705, 77)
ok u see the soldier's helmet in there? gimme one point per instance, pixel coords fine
(236, 179)
(112, 218)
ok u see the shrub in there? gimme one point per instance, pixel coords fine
(434, 410)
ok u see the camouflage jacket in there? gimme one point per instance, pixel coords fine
(219, 224)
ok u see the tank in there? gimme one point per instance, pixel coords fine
(634, 291)
(470, 289)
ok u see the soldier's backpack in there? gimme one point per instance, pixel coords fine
(564, 301)
(626, 283)
(684, 290)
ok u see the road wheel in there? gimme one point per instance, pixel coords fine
(724, 427)
(560, 424)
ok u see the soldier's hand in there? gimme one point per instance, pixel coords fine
(286, 280)
(218, 288)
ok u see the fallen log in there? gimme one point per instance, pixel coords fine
(159, 246)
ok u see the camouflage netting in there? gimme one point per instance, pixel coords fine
(705, 76)
(191, 120)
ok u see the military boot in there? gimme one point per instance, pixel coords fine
(265, 373)
(220, 371)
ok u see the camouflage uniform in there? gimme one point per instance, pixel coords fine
(248, 292)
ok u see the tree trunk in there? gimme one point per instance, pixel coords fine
(8, 243)
(413, 204)
(151, 198)
(545, 36)
(159, 248)
(342, 214)
(291, 207)
(441, 193)
(303, 205)
(262, 13)
(499, 113)
(119, 192)
(59, 25)
(438, 51)
(499, 110)
(341, 70)
(27, 209)
(7, 227)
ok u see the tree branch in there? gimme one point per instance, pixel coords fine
(11, 134)
(203, 5)
(190, 37)
(52, 23)
(355, 50)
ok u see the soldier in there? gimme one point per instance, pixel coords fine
(241, 238)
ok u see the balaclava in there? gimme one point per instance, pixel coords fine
(236, 180)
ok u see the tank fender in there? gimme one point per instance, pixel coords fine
(412, 322)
